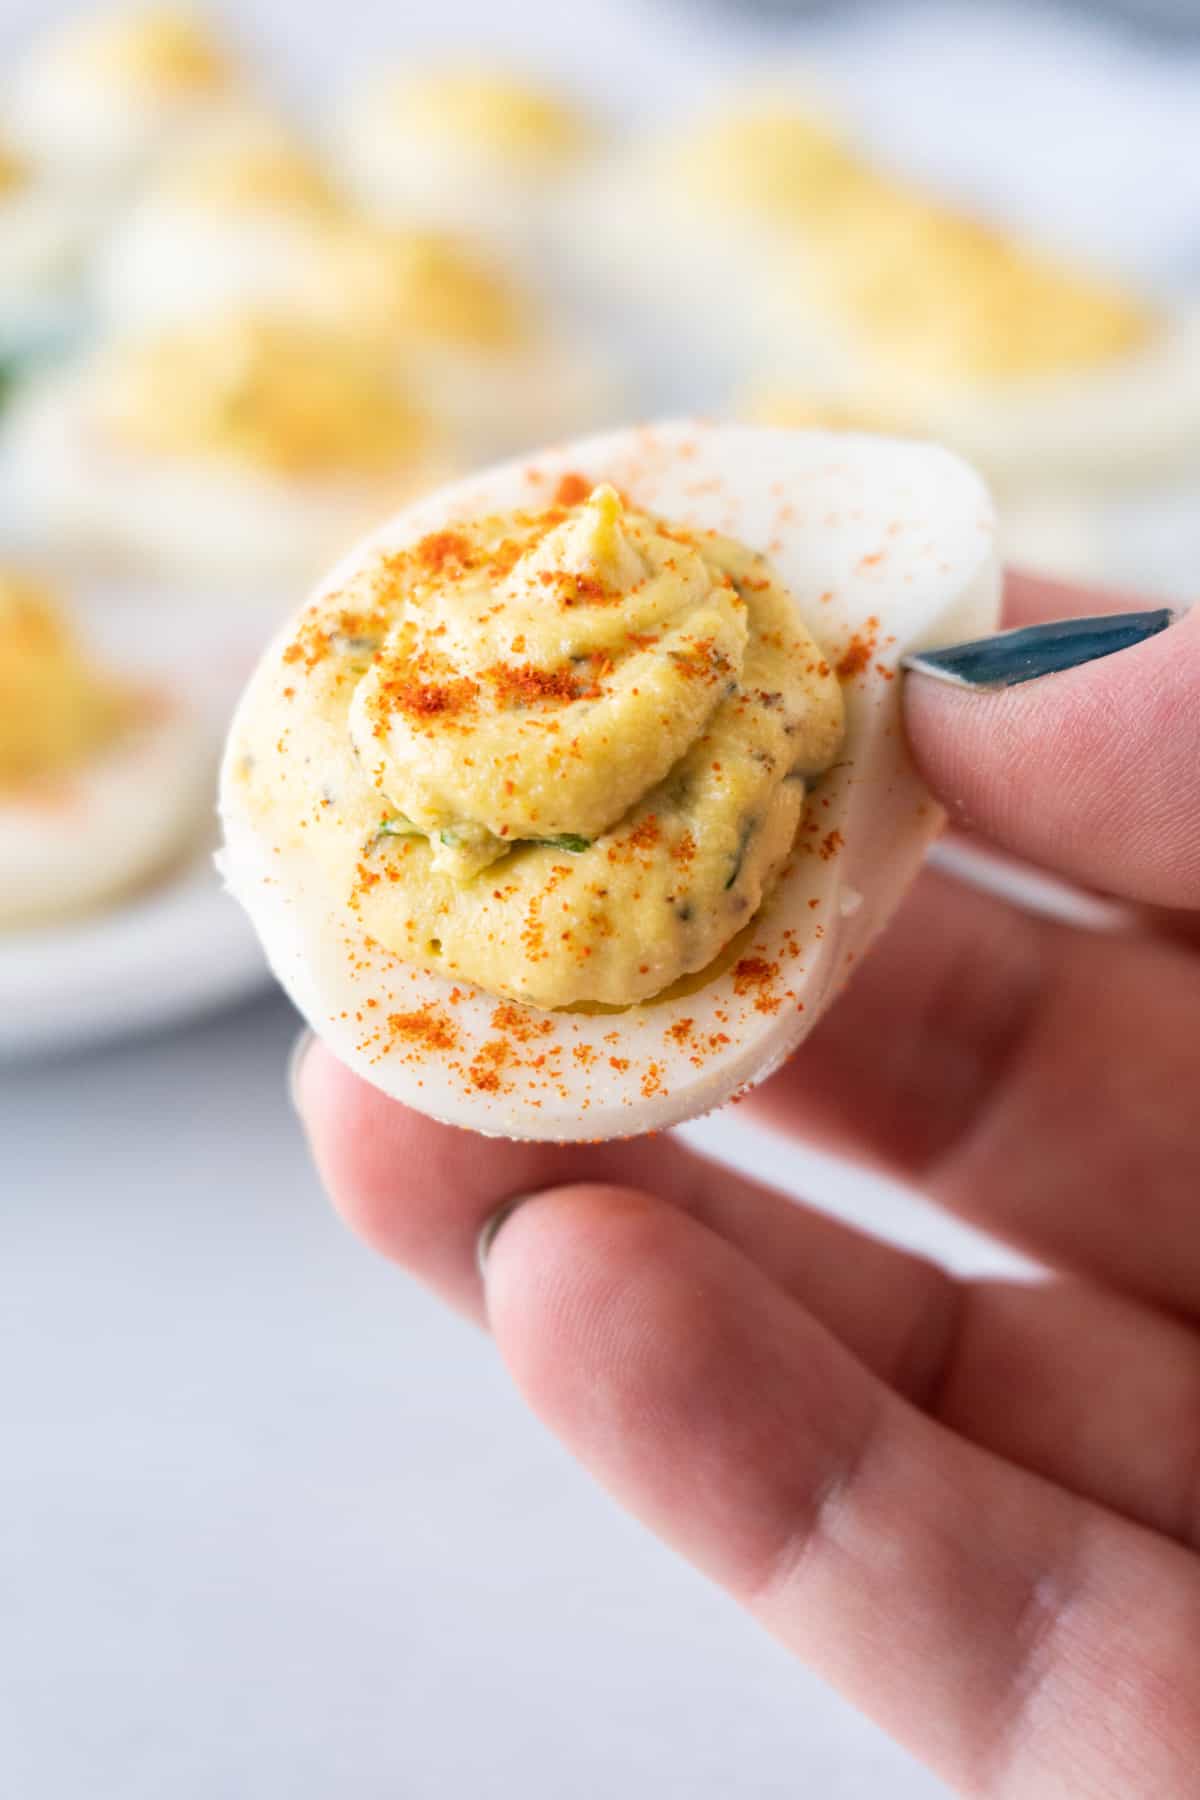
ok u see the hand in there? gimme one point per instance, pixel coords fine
(973, 1506)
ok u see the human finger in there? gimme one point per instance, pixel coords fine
(1018, 1639)
(1091, 771)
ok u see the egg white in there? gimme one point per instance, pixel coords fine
(179, 255)
(170, 264)
(892, 540)
(103, 829)
(1130, 419)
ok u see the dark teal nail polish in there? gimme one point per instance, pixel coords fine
(1015, 656)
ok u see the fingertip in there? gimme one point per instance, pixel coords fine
(1088, 770)
(1030, 598)
(575, 1270)
(563, 1239)
(690, 1386)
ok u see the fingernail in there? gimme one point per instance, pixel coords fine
(295, 1063)
(1011, 657)
(491, 1231)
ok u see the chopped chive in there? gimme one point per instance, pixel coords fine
(747, 832)
(395, 827)
(568, 841)
(349, 643)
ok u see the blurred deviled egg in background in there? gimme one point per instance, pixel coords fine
(102, 782)
(242, 216)
(479, 150)
(489, 358)
(239, 453)
(684, 223)
(96, 99)
(825, 287)
(246, 218)
(1078, 397)
(1040, 370)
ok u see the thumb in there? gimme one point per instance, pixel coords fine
(1073, 743)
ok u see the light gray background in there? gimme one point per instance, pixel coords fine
(271, 1524)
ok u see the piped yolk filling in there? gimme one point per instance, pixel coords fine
(491, 111)
(564, 754)
(266, 177)
(14, 172)
(267, 393)
(418, 287)
(55, 710)
(156, 49)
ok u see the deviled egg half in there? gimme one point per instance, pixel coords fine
(866, 298)
(570, 799)
(246, 450)
(808, 279)
(1041, 371)
(1079, 401)
(96, 99)
(478, 150)
(240, 217)
(102, 782)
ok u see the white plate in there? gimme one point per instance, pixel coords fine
(181, 948)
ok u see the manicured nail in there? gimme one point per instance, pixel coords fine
(491, 1231)
(295, 1063)
(1011, 657)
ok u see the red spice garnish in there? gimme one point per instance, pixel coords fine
(755, 975)
(575, 589)
(517, 684)
(859, 651)
(490, 1058)
(651, 1081)
(428, 1029)
(753, 972)
(441, 549)
(520, 1022)
(647, 834)
(431, 699)
(572, 490)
